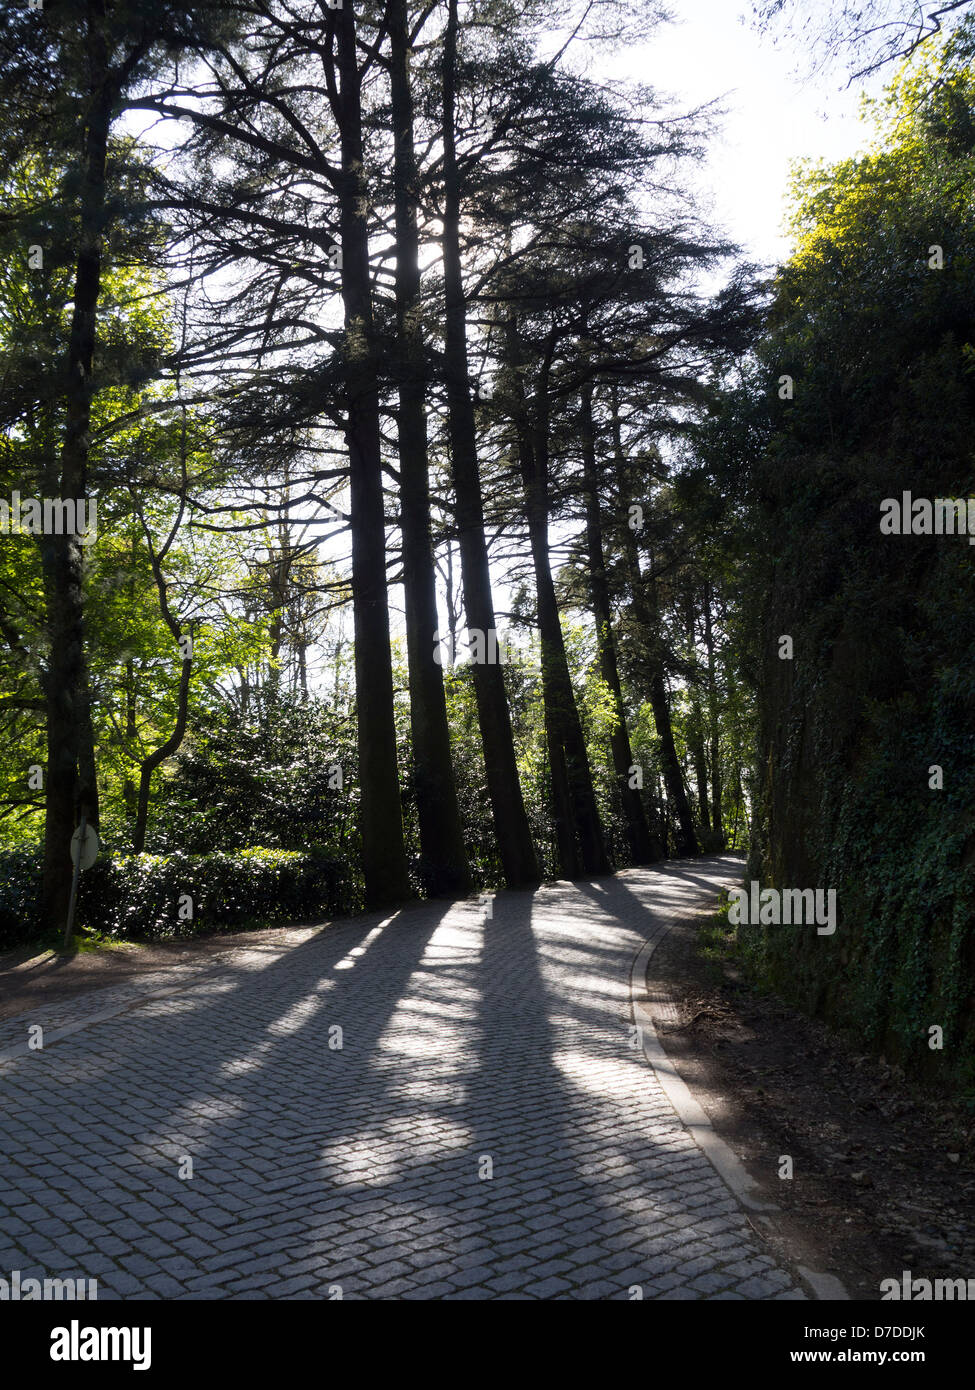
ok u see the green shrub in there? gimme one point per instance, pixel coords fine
(152, 896)
(20, 882)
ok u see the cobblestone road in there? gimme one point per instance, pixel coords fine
(486, 1128)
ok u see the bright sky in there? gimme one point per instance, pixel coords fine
(774, 115)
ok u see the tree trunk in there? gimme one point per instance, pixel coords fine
(714, 727)
(277, 598)
(71, 784)
(647, 621)
(695, 739)
(445, 869)
(646, 615)
(642, 847)
(164, 751)
(575, 799)
(128, 786)
(380, 814)
(511, 828)
(695, 723)
(453, 604)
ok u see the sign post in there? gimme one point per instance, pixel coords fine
(84, 852)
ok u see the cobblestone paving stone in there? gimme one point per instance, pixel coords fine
(470, 1045)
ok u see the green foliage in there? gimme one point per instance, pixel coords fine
(881, 687)
(20, 882)
(140, 895)
(266, 778)
(144, 896)
(717, 943)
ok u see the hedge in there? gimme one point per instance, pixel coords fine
(154, 896)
